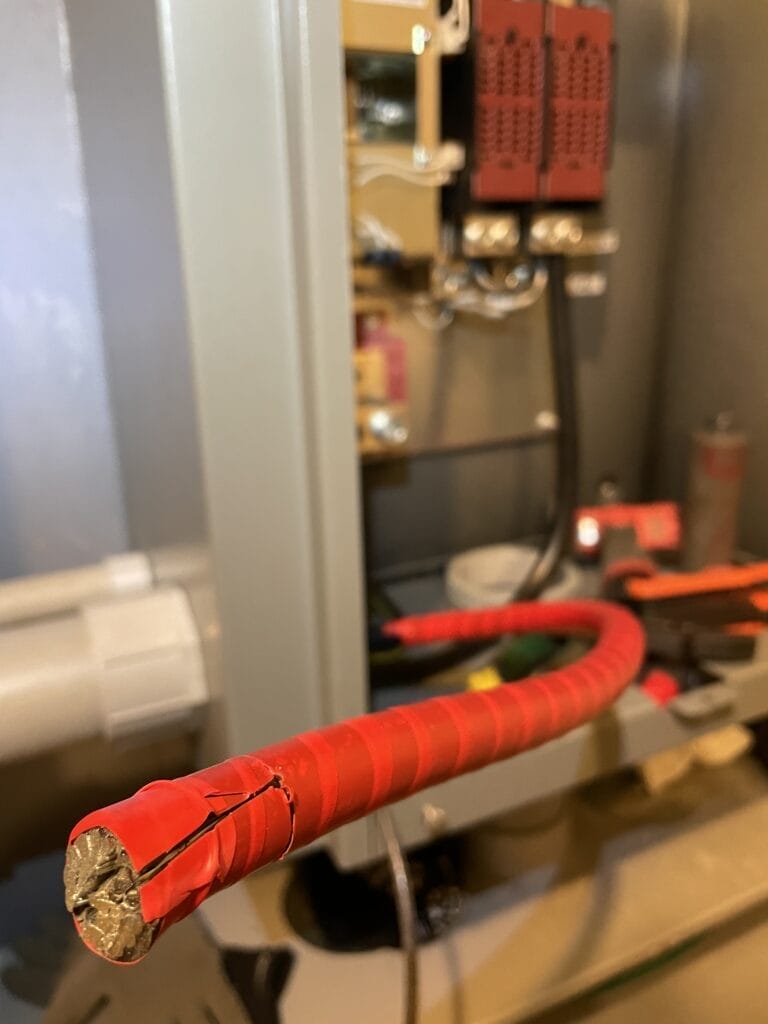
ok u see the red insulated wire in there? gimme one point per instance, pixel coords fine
(226, 821)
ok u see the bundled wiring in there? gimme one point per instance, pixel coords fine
(474, 292)
(433, 170)
(500, 303)
(136, 867)
(373, 236)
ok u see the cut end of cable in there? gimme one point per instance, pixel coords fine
(101, 892)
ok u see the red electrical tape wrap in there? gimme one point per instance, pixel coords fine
(226, 821)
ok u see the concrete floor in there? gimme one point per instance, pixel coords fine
(723, 979)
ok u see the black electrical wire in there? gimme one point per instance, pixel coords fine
(567, 446)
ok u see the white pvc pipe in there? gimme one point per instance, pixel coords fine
(115, 668)
(33, 597)
(49, 690)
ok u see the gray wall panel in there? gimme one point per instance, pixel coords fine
(717, 311)
(60, 496)
(120, 102)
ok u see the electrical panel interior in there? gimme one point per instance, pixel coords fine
(478, 144)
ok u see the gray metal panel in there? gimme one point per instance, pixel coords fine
(119, 92)
(465, 382)
(311, 50)
(228, 323)
(630, 732)
(717, 302)
(315, 101)
(427, 508)
(279, 455)
(60, 500)
(616, 339)
(216, 177)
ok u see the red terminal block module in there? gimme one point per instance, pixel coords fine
(509, 100)
(578, 114)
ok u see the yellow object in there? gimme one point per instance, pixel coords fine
(484, 679)
(662, 769)
(371, 381)
(387, 27)
(713, 750)
(724, 746)
(402, 199)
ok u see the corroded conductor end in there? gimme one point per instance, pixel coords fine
(101, 892)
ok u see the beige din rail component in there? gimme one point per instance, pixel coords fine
(393, 121)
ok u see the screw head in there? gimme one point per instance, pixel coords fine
(420, 36)
(547, 420)
(387, 427)
(434, 818)
(421, 156)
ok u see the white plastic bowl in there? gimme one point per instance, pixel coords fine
(484, 577)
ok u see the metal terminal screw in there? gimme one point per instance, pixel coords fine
(420, 37)
(500, 231)
(586, 286)
(565, 233)
(486, 235)
(547, 420)
(421, 156)
(388, 428)
(555, 232)
(434, 818)
(609, 491)
(520, 276)
(474, 230)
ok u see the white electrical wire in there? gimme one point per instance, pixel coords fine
(498, 305)
(373, 236)
(463, 297)
(454, 28)
(433, 170)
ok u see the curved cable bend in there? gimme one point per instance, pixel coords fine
(174, 843)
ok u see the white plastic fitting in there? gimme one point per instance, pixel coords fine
(34, 597)
(149, 661)
(117, 668)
